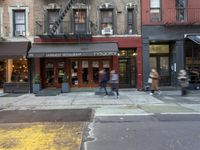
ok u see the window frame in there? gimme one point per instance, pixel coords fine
(15, 24)
(154, 9)
(133, 22)
(82, 11)
(104, 22)
(179, 9)
(59, 29)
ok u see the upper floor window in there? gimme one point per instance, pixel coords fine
(155, 11)
(181, 10)
(106, 22)
(52, 16)
(80, 20)
(19, 23)
(130, 21)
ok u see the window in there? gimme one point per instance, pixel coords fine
(52, 16)
(181, 10)
(80, 21)
(19, 23)
(155, 12)
(106, 19)
(130, 21)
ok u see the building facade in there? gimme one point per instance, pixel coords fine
(79, 38)
(170, 39)
(15, 31)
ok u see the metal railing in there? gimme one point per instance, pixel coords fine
(65, 28)
(182, 16)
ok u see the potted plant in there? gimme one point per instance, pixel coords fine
(36, 84)
(65, 84)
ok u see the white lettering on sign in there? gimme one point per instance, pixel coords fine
(104, 53)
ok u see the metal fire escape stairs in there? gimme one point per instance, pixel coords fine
(61, 16)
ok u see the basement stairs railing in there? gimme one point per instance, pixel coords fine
(61, 16)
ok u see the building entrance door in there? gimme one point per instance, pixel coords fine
(161, 64)
(49, 75)
(53, 73)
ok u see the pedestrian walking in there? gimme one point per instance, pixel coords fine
(114, 81)
(154, 77)
(183, 80)
(103, 80)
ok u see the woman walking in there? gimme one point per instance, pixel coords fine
(154, 76)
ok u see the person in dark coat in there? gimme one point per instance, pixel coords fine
(103, 81)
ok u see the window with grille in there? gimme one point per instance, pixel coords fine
(181, 10)
(155, 11)
(52, 16)
(19, 22)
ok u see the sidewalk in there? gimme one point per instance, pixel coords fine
(131, 102)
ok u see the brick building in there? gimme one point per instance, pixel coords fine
(15, 30)
(82, 37)
(170, 39)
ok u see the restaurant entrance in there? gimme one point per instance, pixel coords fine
(81, 72)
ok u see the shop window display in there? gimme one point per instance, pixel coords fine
(193, 62)
(17, 70)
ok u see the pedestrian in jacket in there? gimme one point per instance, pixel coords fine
(114, 81)
(183, 79)
(154, 76)
(103, 80)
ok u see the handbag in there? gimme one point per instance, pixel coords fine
(150, 80)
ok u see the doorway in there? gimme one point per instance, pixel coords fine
(160, 60)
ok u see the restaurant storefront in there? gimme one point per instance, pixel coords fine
(81, 62)
(14, 74)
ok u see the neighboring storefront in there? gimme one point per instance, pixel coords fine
(14, 70)
(192, 59)
(167, 49)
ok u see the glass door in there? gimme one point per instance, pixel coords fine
(49, 75)
(95, 72)
(74, 73)
(85, 73)
(161, 64)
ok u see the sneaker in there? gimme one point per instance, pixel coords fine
(151, 94)
(159, 92)
(117, 96)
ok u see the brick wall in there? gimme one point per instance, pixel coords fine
(120, 12)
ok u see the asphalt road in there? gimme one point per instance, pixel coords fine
(157, 132)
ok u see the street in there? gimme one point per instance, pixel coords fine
(157, 132)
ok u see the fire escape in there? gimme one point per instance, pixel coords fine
(52, 33)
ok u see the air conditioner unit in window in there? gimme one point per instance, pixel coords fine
(107, 31)
(19, 33)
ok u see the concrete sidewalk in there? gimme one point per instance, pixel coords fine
(131, 102)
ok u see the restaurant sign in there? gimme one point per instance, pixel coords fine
(69, 54)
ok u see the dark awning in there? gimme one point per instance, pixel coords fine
(13, 49)
(73, 50)
(194, 38)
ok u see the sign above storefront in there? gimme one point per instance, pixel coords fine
(78, 54)
(73, 50)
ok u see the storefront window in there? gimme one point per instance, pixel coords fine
(193, 61)
(17, 70)
(2, 73)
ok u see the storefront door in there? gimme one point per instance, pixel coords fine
(161, 63)
(85, 73)
(53, 73)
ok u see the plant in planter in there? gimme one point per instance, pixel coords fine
(65, 84)
(36, 84)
